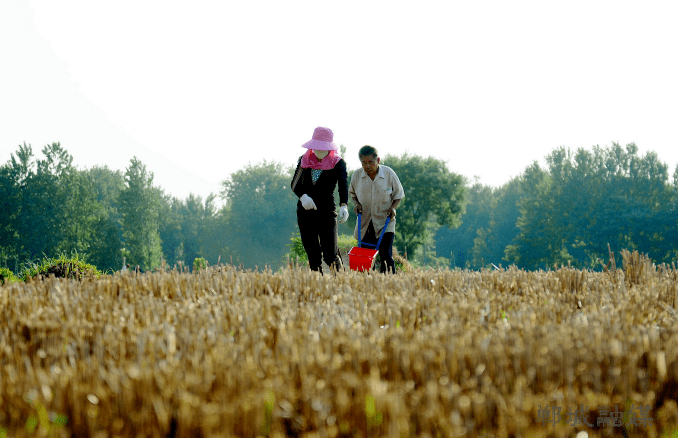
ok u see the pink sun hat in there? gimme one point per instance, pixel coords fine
(322, 140)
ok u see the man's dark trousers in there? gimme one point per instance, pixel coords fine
(385, 248)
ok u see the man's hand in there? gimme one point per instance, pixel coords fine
(358, 209)
(392, 209)
(307, 202)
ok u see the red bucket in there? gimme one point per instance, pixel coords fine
(361, 259)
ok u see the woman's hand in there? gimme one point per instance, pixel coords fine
(307, 202)
(343, 214)
(358, 209)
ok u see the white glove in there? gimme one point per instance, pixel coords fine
(307, 202)
(343, 214)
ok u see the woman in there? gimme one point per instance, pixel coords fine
(318, 172)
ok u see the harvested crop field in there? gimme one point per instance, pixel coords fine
(428, 353)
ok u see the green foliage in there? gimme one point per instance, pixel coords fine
(345, 241)
(199, 263)
(261, 214)
(459, 241)
(488, 226)
(434, 197)
(61, 267)
(49, 206)
(297, 251)
(491, 242)
(139, 208)
(7, 276)
(402, 264)
(566, 212)
(106, 244)
(191, 229)
(590, 199)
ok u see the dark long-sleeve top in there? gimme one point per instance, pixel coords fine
(322, 192)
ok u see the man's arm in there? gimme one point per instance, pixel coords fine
(398, 193)
(354, 197)
(392, 208)
(358, 209)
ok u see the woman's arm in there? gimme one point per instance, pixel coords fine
(298, 187)
(343, 183)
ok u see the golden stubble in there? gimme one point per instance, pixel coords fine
(226, 352)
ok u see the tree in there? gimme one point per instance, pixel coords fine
(214, 239)
(139, 208)
(80, 214)
(106, 245)
(41, 201)
(590, 199)
(188, 230)
(49, 206)
(434, 197)
(261, 213)
(56, 205)
(491, 243)
(13, 176)
(169, 228)
(459, 241)
(534, 247)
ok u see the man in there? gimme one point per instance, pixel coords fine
(376, 192)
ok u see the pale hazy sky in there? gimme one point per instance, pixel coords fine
(198, 89)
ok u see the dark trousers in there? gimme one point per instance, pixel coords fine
(318, 230)
(385, 248)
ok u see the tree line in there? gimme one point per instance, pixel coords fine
(567, 212)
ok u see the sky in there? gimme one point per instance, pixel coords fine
(198, 90)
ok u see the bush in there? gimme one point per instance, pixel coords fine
(7, 276)
(61, 267)
(199, 263)
(401, 263)
(297, 250)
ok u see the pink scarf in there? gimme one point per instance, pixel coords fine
(310, 160)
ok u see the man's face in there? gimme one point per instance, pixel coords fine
(370, 164)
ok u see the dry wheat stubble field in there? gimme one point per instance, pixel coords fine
(429, 353)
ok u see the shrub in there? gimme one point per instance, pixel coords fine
(199, 263)
(401, 263)
(61, 267)
(297, 250)
(7, 276)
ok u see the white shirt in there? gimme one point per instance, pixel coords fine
(376, 197)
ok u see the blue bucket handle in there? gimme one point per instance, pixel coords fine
(383, 230)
